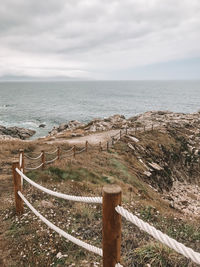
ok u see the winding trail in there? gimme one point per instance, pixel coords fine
(93, 138)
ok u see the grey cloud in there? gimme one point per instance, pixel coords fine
(83, 33)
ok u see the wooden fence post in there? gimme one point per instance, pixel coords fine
(17, 187)
(43, 159)
(58, 153)
(100, 148)
(126, 130)
(86, 146)
(111, 225)
(21, 160)
(107, 146)
(112, 140)
(120, 134)
(74, 150)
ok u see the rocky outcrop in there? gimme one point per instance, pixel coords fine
(15, 132)
(71, 125)
(96, 125)
(184, 197)
(142, 121)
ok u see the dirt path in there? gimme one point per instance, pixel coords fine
(93, 139)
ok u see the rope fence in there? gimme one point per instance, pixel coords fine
(112, 211)
(71, 152)
(157, 234)
(60, 195)
(31, 158)
(62, 153)
(76, 241)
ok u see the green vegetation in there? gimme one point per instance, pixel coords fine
(158, 255)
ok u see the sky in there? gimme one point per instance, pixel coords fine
(99, 39)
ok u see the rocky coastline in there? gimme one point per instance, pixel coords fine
(15, 132)
(147, 119)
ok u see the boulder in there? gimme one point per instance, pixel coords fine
(17, 132)
(42, 125)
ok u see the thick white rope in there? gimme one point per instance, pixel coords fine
(60, 231)
(80, 151)
(163, 238)
(51, 153)
(35, 168)
(69, 150)
(50, 161)
(60, 195)
(28, 157)
(20, 166)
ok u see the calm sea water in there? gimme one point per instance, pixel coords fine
(28, 104)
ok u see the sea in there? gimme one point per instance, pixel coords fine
(30, 104)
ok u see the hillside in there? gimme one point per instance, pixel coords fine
(157, 168)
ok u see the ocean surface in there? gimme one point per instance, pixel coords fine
(28, 104)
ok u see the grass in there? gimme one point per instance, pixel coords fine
(86, 176)
(158, 255)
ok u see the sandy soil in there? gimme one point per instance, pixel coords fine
(93, 139)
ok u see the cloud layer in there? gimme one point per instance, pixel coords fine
(95, 38)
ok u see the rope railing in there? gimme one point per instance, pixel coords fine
(80, 151)
(33, 168)
(66, 153)
(51, 161)
(97, 200)
(52, 152)
(31, 158)
(111, 237)
(71, 238)
(111, 206)
(74, 151)
(112, 212)
(157, 234)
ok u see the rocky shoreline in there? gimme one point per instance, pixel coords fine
(145, 120)
(15, 132)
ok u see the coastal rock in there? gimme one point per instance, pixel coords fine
(155, 166)
(71, 125)
(42, 125)
(16, 132)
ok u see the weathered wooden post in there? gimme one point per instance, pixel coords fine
(112, 140)
(111, 225)
(152, 127)
(17, 187)
(43, 159)
(86, 146)
(100, 148)
(126, 130)
(120, 134)
(74, 151)
(107, 146)
(58, 153)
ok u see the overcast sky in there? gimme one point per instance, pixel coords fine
(100, 39)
